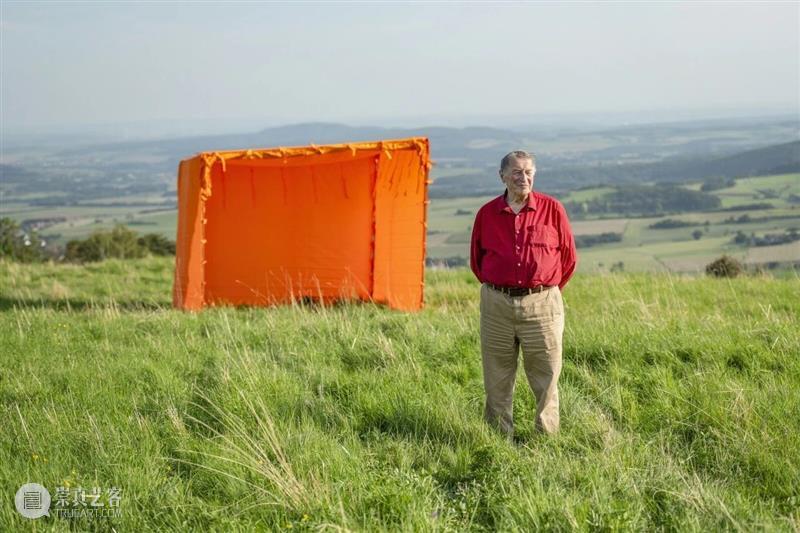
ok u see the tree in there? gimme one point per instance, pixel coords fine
(741, 238)
(717, 182)
(18, 245)
(120, 242)
(725, 267)
(157, 244)
(696, 234)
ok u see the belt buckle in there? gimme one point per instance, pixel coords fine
(519, 291)
(524, 291)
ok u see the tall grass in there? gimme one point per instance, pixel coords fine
(680, 408)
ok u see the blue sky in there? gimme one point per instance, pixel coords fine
(106, 62)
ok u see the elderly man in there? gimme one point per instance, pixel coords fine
(523, 253)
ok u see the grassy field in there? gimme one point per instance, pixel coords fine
(680, 402)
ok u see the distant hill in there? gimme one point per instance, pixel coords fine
(472, 144)
(777, 159)
(466, 158)
(480, 146)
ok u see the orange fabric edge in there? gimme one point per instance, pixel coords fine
(210, 158)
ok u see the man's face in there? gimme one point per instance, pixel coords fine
(518, 177)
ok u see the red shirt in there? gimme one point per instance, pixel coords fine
(525, 249)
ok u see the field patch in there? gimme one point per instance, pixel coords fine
(593, 227)
(789, 252)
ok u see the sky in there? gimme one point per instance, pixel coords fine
(66, 64)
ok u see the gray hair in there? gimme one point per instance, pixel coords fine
(512, 156)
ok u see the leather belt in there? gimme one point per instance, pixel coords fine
(520, 291)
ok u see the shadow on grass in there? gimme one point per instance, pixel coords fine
(414, 424)
(81, 304)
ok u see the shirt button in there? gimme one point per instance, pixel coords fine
(519, 264)
(519, 283)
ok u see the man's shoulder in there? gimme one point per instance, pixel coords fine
(491, 204)
(542, 197)
(547, 200)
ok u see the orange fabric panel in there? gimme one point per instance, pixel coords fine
(274, 232)
(400, 230)
(260, 227)
(188, 290)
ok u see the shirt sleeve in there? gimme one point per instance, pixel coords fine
(475, 250)
(569, 255)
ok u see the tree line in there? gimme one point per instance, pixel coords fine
(19, 244)
(644, 200)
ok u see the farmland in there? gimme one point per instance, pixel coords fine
(70, 187)
(450, 220)
(646, 249)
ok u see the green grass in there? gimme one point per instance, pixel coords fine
(680, 402)
(750, 190)
(443, 172)
(442, 217)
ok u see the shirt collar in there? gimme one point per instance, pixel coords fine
(502, 203)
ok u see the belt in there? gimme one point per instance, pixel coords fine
(520, 291)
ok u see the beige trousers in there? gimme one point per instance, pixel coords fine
(534, 322)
